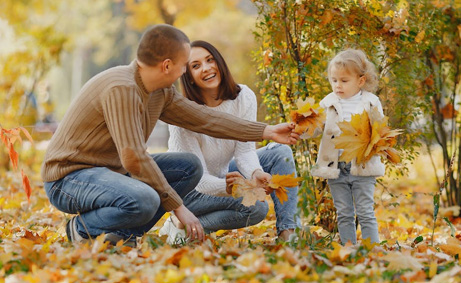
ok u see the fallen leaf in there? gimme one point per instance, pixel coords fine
(176, 257)
(452, 247)
(399, 261)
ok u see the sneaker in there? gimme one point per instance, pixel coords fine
(74, 237)
(71, 230)
(113, 239)
(175, 235)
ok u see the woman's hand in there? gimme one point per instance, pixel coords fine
(262, 180)
(193, 227)
(230, 179)
(281, 133)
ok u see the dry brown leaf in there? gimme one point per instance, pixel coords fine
(363, 138)
(308, 117)
(248, 190)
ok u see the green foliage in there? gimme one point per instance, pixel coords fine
(298, 38)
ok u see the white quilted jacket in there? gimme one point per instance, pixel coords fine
(327, 159)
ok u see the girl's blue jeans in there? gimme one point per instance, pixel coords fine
(109, 202)
(222, 212)
(354, 195)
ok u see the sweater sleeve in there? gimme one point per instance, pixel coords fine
(182, 140)
(245, 152)
(182, 112)
(121, 109)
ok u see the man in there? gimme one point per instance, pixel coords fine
(97, 165)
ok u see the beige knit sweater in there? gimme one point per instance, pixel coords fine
(109, 122)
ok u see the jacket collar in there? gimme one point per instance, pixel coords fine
(333, 100)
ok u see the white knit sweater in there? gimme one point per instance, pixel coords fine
(216, 154)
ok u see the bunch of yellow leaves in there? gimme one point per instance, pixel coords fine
(279, 183)
(308, 117)
(362, 138)
(249, 190)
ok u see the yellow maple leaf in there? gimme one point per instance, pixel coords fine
(280, 182)
(248, 190)
(308, 117)
(363, 138)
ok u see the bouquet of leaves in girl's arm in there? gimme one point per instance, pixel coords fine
(308, 117)
(365, 136)
(9, 137)
(251, 192)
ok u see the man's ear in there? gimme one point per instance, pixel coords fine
(166, 66)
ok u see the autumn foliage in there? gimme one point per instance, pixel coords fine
(251, 192)
(308, 116)
(9, 137)
(364, 137)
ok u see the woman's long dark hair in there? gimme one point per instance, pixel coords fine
(228, 88)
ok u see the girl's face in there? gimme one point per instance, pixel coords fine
(204, 70)
(345, 83)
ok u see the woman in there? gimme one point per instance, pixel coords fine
(208, 82)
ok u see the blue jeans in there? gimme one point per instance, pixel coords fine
(109, 202)
(354, 195)
(217, 212)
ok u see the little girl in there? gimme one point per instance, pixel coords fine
(352, 77)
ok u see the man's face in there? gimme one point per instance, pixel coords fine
(178, 66)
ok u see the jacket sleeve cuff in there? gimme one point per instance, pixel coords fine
(170, 200)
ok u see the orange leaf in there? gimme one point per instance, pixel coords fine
(449, 111)
(326, 17)
(281, 194)
(267, 58)
(13, 157)
(308, 117)
(176, 258)
(4, 137)
(26, 185)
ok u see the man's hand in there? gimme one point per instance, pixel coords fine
(194, 229)
(281, 133)
(230, 179)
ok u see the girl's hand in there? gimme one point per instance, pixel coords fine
(262, 180)
(230, 179)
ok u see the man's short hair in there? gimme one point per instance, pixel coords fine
(161, 42)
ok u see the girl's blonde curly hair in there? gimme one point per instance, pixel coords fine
(356, 60)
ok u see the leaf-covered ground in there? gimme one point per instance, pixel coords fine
(33, 246)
